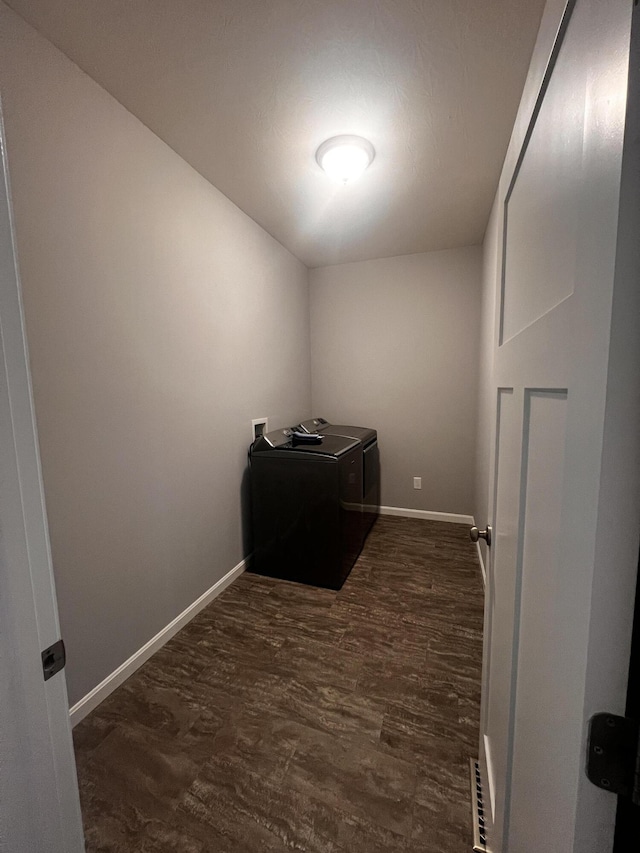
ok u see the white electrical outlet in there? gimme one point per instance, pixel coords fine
(417, 482)
(258, 427)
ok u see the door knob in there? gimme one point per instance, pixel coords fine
(476, 534)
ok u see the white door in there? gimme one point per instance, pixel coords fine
(564, 494)
(39, 805)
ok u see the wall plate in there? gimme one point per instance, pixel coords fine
(258, 427)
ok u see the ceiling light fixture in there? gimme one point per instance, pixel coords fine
(345, 157)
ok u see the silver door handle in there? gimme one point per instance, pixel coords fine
(476, 534)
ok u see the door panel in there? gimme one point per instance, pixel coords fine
(540, 625)
(541, 218)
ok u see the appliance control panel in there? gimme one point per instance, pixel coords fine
(288, 437)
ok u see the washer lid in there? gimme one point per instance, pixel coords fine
(364, 434)
(283, 440)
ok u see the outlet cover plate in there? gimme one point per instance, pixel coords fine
(258, 427)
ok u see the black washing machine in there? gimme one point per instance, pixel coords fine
(306, 506)
(370, 463)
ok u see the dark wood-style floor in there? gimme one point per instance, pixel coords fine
(285, 717)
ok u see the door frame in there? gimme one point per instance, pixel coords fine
(39, 801)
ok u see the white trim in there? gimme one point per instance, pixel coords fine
(111, 682)
(426, 514)
(482, 568)
(490, 776)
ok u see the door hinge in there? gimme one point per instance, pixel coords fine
(613, 755)
(53, 659)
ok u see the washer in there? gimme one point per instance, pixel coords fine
(370, 463)
(306, 506)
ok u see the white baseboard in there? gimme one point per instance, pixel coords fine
(80, 710)
(426, 514)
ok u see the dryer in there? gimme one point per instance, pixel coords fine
(306, 506)
(368, 438)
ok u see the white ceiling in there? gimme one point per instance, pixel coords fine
(246, 90)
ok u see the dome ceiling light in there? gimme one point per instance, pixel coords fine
(345, 157)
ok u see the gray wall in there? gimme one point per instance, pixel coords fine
(160, 320)
(394, 346)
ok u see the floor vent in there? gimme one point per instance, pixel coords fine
(477, 808)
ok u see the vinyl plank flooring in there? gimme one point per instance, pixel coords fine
(286, 717)
(361, 781)
(233, 808)
(332, 710)
(317, 663)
